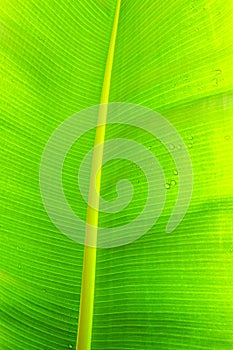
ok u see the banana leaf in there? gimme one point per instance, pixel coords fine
(162, 291)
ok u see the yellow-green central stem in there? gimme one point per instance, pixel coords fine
(89, 260)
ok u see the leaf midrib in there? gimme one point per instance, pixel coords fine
(89, 259)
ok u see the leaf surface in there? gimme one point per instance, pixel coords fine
(162, 291)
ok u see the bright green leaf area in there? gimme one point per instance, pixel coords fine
(162, 291)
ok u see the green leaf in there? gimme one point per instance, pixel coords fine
(162, 291)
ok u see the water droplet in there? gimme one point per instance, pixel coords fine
(167, 186)
(227, 137)
(218, 71)
(173, 183)
(70, 346)
(215, 82)
(175, 172)
(190, 137)
(190, 145)
(171, 147)
(20, 266)
(149, 147)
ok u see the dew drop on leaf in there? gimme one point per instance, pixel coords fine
(215, 82)
(171, 147)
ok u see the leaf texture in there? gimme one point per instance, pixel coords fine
(162, 291)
